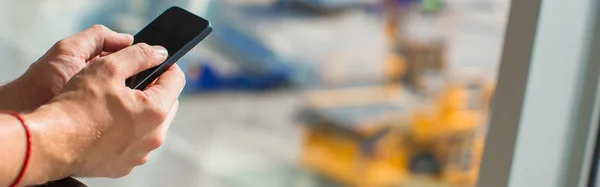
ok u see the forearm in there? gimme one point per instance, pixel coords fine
(44, 165)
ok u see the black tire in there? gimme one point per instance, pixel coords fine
(425, 163)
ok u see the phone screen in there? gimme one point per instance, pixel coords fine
(175, 29)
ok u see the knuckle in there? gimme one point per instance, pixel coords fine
(144, 49)
(63, 46)
(143, 98)
(181, 76)
(111, 68)
(155, 142)
(143, 160)
(99, 28)
(152, 110)
(158, 114)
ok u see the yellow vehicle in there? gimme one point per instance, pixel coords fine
(345, 150)
(363, 137)
(381, 144)
(446, 140)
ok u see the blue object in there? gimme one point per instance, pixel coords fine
(258, 65)
(327, 4)
(210, 80)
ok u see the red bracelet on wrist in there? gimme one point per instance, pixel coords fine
(28, 153)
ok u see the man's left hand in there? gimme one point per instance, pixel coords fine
(46, 77)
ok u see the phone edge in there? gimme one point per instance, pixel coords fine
(173, 59)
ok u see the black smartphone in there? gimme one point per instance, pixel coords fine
(175, 29)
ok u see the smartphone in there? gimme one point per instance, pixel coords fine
(175, 29)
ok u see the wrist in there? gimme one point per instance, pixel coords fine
(12, 131)
(49, 158)
(10, 97)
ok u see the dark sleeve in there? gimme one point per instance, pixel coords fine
(67, 182)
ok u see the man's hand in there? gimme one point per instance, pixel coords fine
(46, 77)
(104, 128)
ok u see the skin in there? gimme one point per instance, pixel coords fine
(84, 121)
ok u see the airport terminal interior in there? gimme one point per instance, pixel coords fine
(305, 93)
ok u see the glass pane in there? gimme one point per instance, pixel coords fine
(298, 93)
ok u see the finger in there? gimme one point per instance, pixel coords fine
(167, 88)
(91, 42)
(143, 160)
(134, 59)
(151, 84)
(169, 120)
(106, 53)
(157, 137)
(102, 54)
(93, 59)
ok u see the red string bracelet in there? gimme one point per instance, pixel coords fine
(28, 153)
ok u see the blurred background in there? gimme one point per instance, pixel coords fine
(304, 93)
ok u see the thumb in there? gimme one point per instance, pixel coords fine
(134, 59)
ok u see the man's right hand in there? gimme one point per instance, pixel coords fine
(102, 127)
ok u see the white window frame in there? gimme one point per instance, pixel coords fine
(544, 118)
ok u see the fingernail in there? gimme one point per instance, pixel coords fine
(160, 51)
